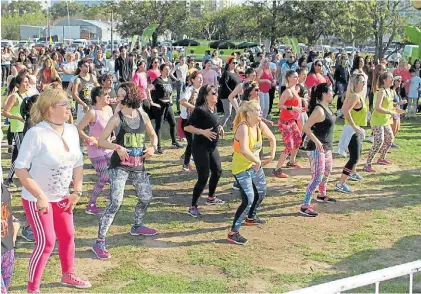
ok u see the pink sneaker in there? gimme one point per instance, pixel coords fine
(92, 209)
(142, 230)
(384, 162)
(71, 280)
(294, 165)
(369, 169)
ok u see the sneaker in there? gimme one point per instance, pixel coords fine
(308, 211)
(293, 164)
(279, 174)
(370, 139)
(214, 201)
(188, 168)
(142, 231)
(27, 234)
(182, 156)
(384, 162)
(369, 169)
(159, 150)
(100, 250)
(9, 183)
(92, 209)
(355, 177)
(325, 199)
(177, 145)
(194, 211)
(395, 146)
(344, 188)
(236, 238)
(183, 140)
(71, 280)
(236, 186)
(10, 150)
(253, 222)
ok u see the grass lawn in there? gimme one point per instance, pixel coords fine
(376, 227)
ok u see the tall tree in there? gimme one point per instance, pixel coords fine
(10, 25)
(59, 9)
(22, 7)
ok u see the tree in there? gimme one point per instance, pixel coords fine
(21, 7)
(59, 9)
(10, 25)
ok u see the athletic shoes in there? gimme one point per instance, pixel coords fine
(293, 164)
(188, 168)
(92, 209)
(194, 211)
(27, 234)
(236, 186)
(253, 222)
(142, 231)
(279, 174)
(395, 146)
(344, 188)
(214, 201)
(236, 238)
(69, 279)
(177, 145)
(325, 199)
(369, 169)
(159, 150)
(384, 162)
(100, 250)
(308, 211)
(355, 177)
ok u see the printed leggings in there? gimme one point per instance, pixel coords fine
(321, 167)
(291, 135)
(56, 223)
(253, 190)
(18, 140)
(118, 179)
(101, 167)
(7, 266)
(383, 139)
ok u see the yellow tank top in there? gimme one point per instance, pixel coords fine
(382, 119)
(239, 162)
(359, 116)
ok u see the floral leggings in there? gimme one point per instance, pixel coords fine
(290, 134)
(101, 167)
(321, 167)
(7, 265)
(383, 139)
(118, 179)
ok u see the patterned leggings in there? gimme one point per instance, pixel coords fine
(7, 266)
(321, 167)
(118, 181)
(101, 167)
(383, 139)
(290, 134)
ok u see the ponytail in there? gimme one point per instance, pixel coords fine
(317, 95)
(12, 86)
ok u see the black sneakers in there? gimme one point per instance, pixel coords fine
(236, 238)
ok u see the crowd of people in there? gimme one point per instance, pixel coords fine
(120, 105)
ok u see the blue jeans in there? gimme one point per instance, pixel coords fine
(253, 191)
(181, 88)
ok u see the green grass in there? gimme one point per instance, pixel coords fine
(376, 227)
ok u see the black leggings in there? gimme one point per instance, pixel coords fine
(271, 98)
(9, 136)
(354, 148)
(206, 159)
(160, 114)
(5, 72)
(189, 138)
(18, 141)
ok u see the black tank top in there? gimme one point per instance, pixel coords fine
(86, 89)
(323, 131)
(134, 141)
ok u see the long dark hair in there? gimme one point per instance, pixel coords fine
(317, 95)
(356, 63)
(312, 69)
(203, 92)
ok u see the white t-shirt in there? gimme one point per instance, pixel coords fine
(50, 165)
(414, 87)
(71, 66)
(186, 96)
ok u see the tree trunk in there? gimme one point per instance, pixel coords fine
(155, 38)
(273, 23)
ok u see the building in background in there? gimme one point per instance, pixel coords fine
(198, 6)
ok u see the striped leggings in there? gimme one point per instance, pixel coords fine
(56, 223)
(321, 167)
(383, 139)
(18, 137)
(101, 167)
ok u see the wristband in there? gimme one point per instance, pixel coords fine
(289, 107)
(78, 193)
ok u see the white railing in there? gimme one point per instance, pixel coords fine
(336, 287)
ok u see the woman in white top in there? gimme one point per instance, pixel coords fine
(216, 63)
(187, 104)
(50, 157)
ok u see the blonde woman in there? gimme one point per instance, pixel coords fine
(49, 158)
(47, 74)
(247, 166)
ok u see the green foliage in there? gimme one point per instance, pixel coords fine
(10, 24)
(20, 8)
(59, 9)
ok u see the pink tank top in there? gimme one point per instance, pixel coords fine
(95, 130)
(153, 75)
(265, 87)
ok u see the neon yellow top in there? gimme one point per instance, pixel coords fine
(359, 116)
(382, 119)
(239, 162)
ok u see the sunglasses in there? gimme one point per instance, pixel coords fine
(213, 93)
(154, 62)
(234, 62)
(256, 89)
